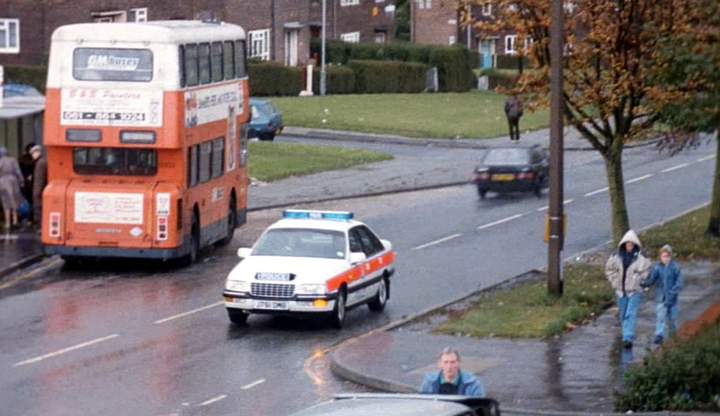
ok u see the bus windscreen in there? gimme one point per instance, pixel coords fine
(112, 64)
(114, 161)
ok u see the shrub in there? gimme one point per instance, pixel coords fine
(454, 68)
(388, 76)
(510, 62)
(340, 80)
(26, 74)
(684, 377)
(274, 79)
(505, 79)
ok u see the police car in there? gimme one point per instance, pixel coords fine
(311, 262)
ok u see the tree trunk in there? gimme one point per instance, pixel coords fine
(618, 207)
(713, 229)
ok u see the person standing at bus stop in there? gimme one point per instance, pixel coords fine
(39, 182)
(513, 112)
(10, 180)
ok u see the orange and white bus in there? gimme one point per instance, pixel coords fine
(145, 139)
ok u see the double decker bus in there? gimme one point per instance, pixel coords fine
(145, 139)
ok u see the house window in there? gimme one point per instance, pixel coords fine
(352, 37)
(259, 44)
(138, 15)
(487, 9)
(380, 37)
(9, 36)
(424, 4)
(510, 46)
(349, 2)
(451, 40)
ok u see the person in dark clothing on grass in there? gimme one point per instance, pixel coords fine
(513, 112)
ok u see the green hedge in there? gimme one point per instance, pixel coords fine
(454, 63)
(683, 377)
(340, 80)
(388, 76)
(25, 74)
(510, 62)
(500, 78)
(274, 79)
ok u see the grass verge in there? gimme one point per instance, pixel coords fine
(528, 311)
(272, 161)
(686, 235)
(477, 114)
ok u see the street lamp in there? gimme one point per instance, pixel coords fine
(556, 216)
(322, 48)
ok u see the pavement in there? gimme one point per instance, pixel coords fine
(420, 166)
(575, 373)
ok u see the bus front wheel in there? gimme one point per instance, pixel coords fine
(231, 223)
(194, 241)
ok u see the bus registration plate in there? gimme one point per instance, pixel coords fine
(271, 305)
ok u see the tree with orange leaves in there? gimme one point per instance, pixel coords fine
(611, 95)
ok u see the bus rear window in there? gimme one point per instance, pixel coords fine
(112, 64)
(113, 161)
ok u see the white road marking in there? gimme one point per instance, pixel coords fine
(704, 158)
(253, 384)
(641, 178)
(597, 191)
(442, 240)
(213, 400)
(545, 208)
(482, 227)
(676, 167)
(64, 350)
(568, 201)
(181, 315)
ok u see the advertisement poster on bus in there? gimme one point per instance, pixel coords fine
(111, 107)
(108, 208)
(206, 105)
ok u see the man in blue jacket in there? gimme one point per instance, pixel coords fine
(668, 279)
(450, 379)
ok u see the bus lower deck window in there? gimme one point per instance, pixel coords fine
(114, 161)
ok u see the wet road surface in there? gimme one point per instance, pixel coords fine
(136, 338)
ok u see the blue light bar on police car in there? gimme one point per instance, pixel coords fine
(301, 214)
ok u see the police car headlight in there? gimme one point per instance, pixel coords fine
(315, 289)
(237, 285)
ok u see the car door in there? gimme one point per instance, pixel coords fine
(355, 246)
(373, 268)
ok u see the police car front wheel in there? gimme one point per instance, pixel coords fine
(337, 318)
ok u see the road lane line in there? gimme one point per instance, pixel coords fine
(641, 178)
(704, 158)
(442, 240)
(597, 191)
(568, 201)
(494, 223)
(676, 167)
(64, 350)
(181, 315)
(253, 384)
(545, 208)
(213, 400)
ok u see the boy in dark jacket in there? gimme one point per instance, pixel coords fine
(668, 279)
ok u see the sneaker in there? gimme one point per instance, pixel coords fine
(627, 344)
(658, 339)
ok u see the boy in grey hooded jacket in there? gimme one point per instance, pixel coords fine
(626, 269)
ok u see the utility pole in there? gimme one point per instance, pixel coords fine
(322, 48)
(556, 219)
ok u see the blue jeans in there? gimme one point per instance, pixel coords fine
(629, 306)
(666, 313)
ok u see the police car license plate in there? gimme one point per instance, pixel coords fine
(282, 277)
(271, 305)
(503, 177)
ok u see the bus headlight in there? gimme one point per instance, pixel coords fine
(314, 289)
(237, 285)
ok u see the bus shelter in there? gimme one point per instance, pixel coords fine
(21, 114)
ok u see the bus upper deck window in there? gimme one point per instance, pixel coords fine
(191, 65)
(204, 63)
(112, 64)
(216, 61)
(229, 60)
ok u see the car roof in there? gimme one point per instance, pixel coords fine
(315, 224)
(360, 406)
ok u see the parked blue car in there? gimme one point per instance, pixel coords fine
(266, 120)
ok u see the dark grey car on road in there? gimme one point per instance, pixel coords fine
(512, 169)
(371, 404)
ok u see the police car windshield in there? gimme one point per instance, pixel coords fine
(295, 242)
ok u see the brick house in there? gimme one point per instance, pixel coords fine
(437, 22)
(278, 30)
